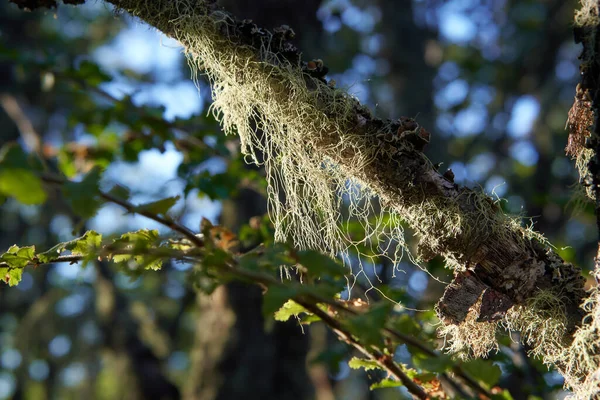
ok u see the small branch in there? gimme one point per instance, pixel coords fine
(168, 222)
(385, 361)
(70, 259)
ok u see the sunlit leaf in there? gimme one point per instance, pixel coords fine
(276, 297)
(288, 310)
(367, 365)
(18, 257)
(83, 245)
(12, 276)
(385, 383)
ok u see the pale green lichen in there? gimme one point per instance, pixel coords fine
(306, 128)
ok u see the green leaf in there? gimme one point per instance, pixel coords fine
(217, 186)
(276, 297)
(367, 327)
(309, 319)
(119, 258)
(484, 371)
(18, 257)
(83, 246)
(406, 324)
(138, 243)
(23, 185)
(66, 164)
(92, 73)
(120, 192)
(13, 156)
(12, 276)
(146, 262)
(439, 363)
(82, 196)
(367, 365)
(90, 241)
(13, 261)
(157, 207)
(320, 265)
(289, 309)
(151, 263)
(142, 236)
(385, 383)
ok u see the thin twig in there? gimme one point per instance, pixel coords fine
(166, 221)
(375, 355)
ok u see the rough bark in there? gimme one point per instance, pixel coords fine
(499, 255)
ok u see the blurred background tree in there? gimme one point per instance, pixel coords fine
(492, 80)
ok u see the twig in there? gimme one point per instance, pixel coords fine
(266, 280)
(385, 361)
(168, 222)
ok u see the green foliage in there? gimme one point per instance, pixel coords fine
(86, 246)
(17, 176)
(276, 297)
(157, 207)
(23, 185)
(505, 395)
(367, 365)
(83, 196)
(226, 184)
(367, 326)
(439, 363)
(120, 129)
(91, 73)
(487, 373)
(288, 310)
(385, 383)
(18, 257)
(320, 265)
(140, 247)
(13, 261)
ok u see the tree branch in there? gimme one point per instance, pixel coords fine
(168, 222)
(505, 260)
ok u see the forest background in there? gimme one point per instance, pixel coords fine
(491, 80)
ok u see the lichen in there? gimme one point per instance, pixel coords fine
(321, 157)
(279, 112)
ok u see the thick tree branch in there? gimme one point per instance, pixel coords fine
(508, 263)
(505, 261)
